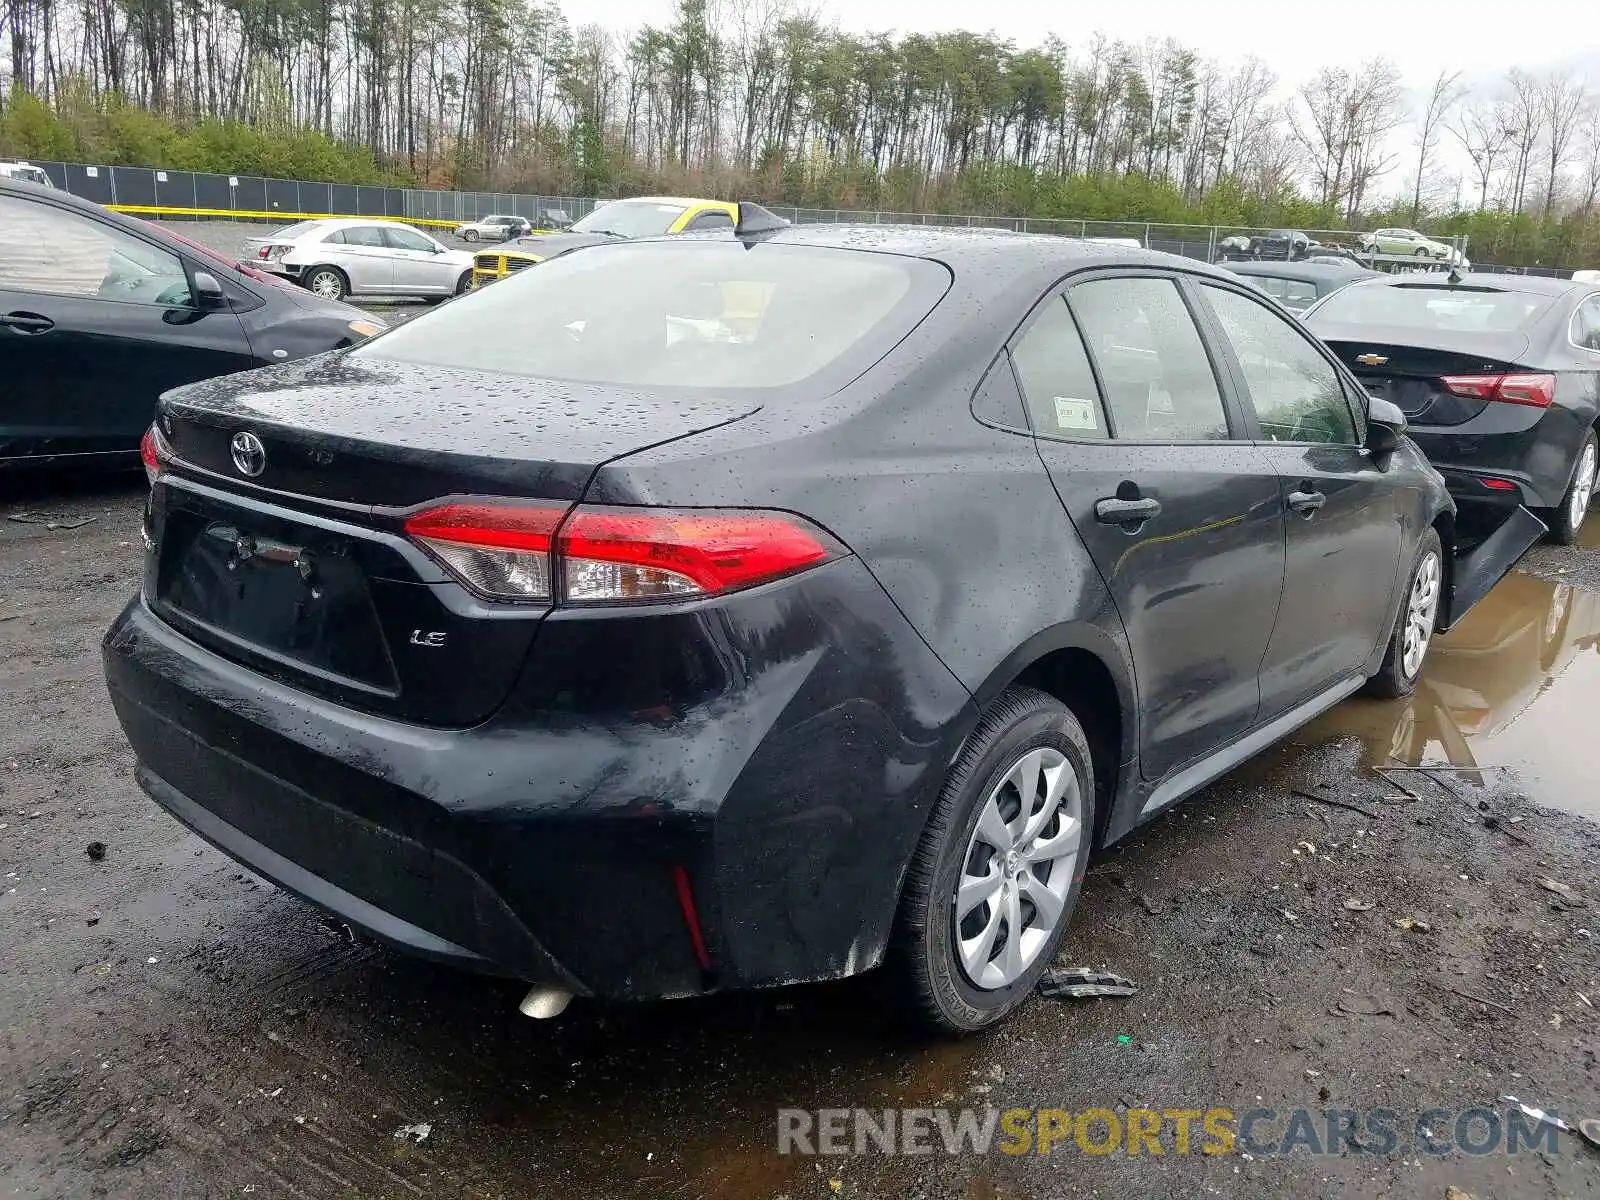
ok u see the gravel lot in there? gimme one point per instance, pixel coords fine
(1302, 934)
(179, 1028)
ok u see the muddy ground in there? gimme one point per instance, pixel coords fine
(173, 1027)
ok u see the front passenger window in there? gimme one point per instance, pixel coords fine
(1297, 393)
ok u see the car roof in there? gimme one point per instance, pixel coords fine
(684, 201)
(1309, 270)
(1001, 256)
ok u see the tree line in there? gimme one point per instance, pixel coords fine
(762, 99)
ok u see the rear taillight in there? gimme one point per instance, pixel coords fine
(153, 453)
(497, 549)
(604, 555)
(1534, 391)
(264, 252)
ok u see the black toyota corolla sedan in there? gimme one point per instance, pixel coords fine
(690, 615)
(100, 313)
(1498, 375)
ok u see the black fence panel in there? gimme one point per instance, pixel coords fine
(56, 171)
(133, 185)
(212, 191)
(249, 193)
(92, 183)
(175, 189)
(343, 199)
(316, 198)
(283, 196)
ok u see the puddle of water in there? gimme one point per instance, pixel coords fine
(1515, 685)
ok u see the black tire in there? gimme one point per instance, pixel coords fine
(1422, 252)
(470, 235)
(922, 969)
(464, 284)
(1563, 528)
(335, 285)
(1393, 679)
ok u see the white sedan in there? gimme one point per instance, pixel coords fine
(341, 258)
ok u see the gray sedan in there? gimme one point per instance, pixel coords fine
(340, 258)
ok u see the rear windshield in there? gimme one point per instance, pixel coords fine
(298, 229)
(672, 315)
(631, 218)
(1444, 309)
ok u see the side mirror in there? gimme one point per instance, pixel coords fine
(208, 293)
(1386, 426)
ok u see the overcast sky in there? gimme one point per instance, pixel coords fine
(1422, 37)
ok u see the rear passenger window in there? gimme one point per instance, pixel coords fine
(1586, 324)
(1055, 377)
(1159, 385)
(1296, 392)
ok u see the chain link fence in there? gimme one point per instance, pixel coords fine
(199, 195)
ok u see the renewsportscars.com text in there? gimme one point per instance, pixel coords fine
(1258, 1132)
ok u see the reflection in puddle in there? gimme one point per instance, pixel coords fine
(1515, 685)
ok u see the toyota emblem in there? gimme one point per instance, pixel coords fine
(249, 455)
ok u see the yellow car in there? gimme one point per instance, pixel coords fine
(645, 216)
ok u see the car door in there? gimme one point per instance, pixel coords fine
(419, 267)
(366, 259)
(1344, 512)
(1180, 511)
(95, 323)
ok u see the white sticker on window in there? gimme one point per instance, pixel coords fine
(1074, 412)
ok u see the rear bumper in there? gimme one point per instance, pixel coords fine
(1525, 447)
(550, 844)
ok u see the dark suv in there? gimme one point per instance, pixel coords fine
(700, 614)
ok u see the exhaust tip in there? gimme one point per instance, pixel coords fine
(543, 1002)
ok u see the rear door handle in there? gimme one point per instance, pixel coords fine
(1305, 503)
(1112, 511)
(27, 322)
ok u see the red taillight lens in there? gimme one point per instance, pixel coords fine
(500, 550)
(1535, 391)
(264, 252)
(153, 453)
(1500, 485)
(602, 555)
(619, 554)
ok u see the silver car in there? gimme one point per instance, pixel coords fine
(494, 229)
(340, 258)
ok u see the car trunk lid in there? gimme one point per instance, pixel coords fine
(302, 569)
(1412, 377)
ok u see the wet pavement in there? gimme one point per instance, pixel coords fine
(1303, 934)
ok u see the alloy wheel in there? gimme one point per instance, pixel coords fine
(1422, 606)
(326, 284)
(1018, 868)
(1582, 487)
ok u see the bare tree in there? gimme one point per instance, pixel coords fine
(1441, 100)
(1343, 123)
(1525, 121)
(1485, 133)
(1560, 103)
(1591, 157)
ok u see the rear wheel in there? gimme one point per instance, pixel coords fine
(994, 882)
(1568, 519)
(470, 235)
(328, 282)
(1422, 252)
(1413, 628)
(464, 283)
